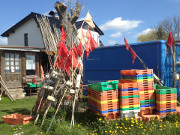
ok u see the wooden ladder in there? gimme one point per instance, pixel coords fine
(6, 89)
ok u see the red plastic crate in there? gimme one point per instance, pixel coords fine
(123, 84)
(136, 72)
(146, 110)
(103, 107)
(104, 95)
(147, 96)
(15, 119)
(129, 93)
(162, 107)
(166, 97)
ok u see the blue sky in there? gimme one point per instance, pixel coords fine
(116, 18)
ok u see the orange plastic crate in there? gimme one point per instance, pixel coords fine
(104, 95)
(166, 97)
(136, 72)
(145, 88)
(129, 93)
(129, 101)
(147, 96)
(147, 118)
(162, 107)
(123, 84)
(110, 115)
(15, 119)
(145, 84)
(103, 107)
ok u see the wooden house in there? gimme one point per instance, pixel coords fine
(21, 59)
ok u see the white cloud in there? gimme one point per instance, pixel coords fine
(117, 34)
(144, 32)
(120, 25)
(111, 42)
(3, 41)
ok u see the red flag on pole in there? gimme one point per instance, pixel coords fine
(170, 40)
(127, 45)
(79, 49)
(133, 55)
(93, 44)
(75, 50)
(63, 35)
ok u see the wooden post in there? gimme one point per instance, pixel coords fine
(174, 66)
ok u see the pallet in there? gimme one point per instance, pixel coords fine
(103, 107)
(124, 84)
(129, 101)
(130, 109)
(162, 107)
(103, 96)
(147, 96)
(144, 102)
(166, 97)
(145, 84)
(148, 118)
(136, 72)
(146, 92)
(145, 88)
(164, 90)
(129, 93)
(146, 110)
(165, 112)
(147, 105)
(131, 96)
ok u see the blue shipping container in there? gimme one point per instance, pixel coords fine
(105, 63)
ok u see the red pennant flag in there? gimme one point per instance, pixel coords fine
(170, 40)
(88, 34)
(64, 51)
(87, 54)
(127, 45)
(66, 67)
(75, 50)
(79, 49)
(133, 55)
(63, 35)
(93, 44)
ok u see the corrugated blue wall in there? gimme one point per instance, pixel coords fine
(105, 63)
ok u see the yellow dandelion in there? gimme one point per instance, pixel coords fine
(120, 127)
(41, 132)
(105, 131)
(110, 131)
(117, 127)
(131, 125)
(100, 119)
(78, 125)
(14, 129)
(131, 118)
(129, 128)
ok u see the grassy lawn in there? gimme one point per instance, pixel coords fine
(85, 122)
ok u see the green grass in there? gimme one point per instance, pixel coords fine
(85, 122)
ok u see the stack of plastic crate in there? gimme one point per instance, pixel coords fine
(128, 99)
(145, 81)
(166, 100)
(103, 99)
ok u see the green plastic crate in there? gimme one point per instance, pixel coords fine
(127, 109)
(144, 102)
(132, 96)
(103, 86)
(164, 90)
(31, 85)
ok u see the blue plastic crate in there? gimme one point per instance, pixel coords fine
(129, 89)
(168, 110)
(147, 105)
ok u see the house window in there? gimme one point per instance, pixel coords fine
(12, 62)
(30, 64)
(26, 39)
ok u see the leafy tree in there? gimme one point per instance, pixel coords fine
(162, 30)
